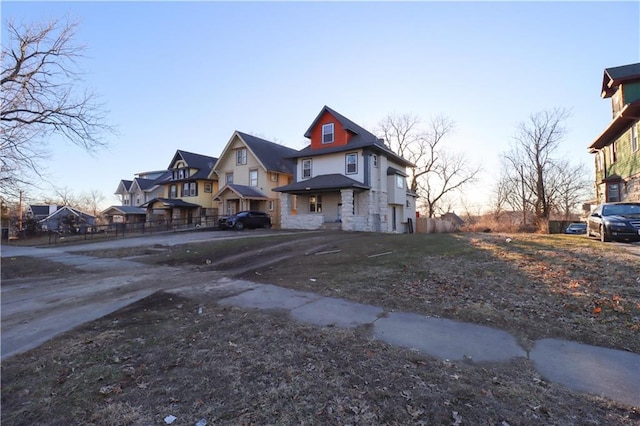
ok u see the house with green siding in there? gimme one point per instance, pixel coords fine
(616, 149)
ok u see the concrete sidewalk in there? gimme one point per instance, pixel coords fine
(605, 372)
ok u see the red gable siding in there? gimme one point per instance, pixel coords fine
(341, 136)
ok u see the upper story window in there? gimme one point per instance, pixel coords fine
(327, 133)
(306, 168)
(208, 187)
(241, 156)
(181, 173)
(228, 178)
(351, 163)
(634, 138)
(253, 178)
(400, 181)
(374, 159)
(273, 177)
(173, 191)
(613, 152)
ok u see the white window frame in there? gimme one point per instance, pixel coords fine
(309, 169)
(228, 178)
(354, 163)
(193, 189)
(241, 156)
(253, 177)
(315, 204)
(208, 188)
(273, 176)
(328, 129)
(173, 191)
(270, 205)
(374, 158)
(400, 181)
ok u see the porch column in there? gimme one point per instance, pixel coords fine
(347, 209)
(285, 209)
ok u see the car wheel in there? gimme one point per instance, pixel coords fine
(239, 225)
(603, 235)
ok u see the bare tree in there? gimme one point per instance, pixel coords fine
(532, 169)
(438, 173)
(91, 201)
(40, 98)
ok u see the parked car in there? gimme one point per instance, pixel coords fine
(615, 221)
(576, 228)
(245, 219)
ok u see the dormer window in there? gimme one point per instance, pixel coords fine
(327, 133)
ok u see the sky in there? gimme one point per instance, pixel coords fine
(185, 75)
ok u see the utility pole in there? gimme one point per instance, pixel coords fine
(20, 213)
(524, 201)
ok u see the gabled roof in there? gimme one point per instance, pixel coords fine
(124, 210)
(274, 157)
(203, 163)
(242, 191)
(143, 184)
(123, 186)
(322, 183)
(344, 121)
(361, 139)
(616, 75)
(170, 202)
(68, 210)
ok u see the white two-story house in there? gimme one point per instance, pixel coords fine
(347, 177)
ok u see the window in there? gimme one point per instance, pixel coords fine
(181, 174)
(273, 177)
(634, 138)
(400, 181)
(613, 192)
(374, 158)
(125, 200)
(327, 133)
(253, 178)
(185, 189)
(193, 189)
(315, 204)
(228, 178)
(173, 191)
(352, 163)
(306, 168)
(613, 152)
(208, 188)
(270, 205)
(241, 156)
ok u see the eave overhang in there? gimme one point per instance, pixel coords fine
(622, 122)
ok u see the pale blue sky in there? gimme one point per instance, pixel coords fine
(185, 75)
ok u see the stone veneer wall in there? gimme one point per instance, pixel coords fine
(632, 189)
(298, 221)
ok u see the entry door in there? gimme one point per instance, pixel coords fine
(394, 226)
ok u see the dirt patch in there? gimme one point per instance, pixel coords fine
(191, 358)
(21, 267)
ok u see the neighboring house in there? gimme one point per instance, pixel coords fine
(617, 155)
(67, 219)
(349, 177)
(248, 169)
(452, 217)
(144, 187)
(124, 214)
(187, 191)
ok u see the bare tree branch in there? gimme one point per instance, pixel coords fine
(438, 173)
(40, 97)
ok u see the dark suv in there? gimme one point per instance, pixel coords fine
(245, 219)
(615, 221)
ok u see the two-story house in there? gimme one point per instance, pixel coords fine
(616, 149)
(349, 177)
(187, 191)
(248, 169)
(144, 187)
